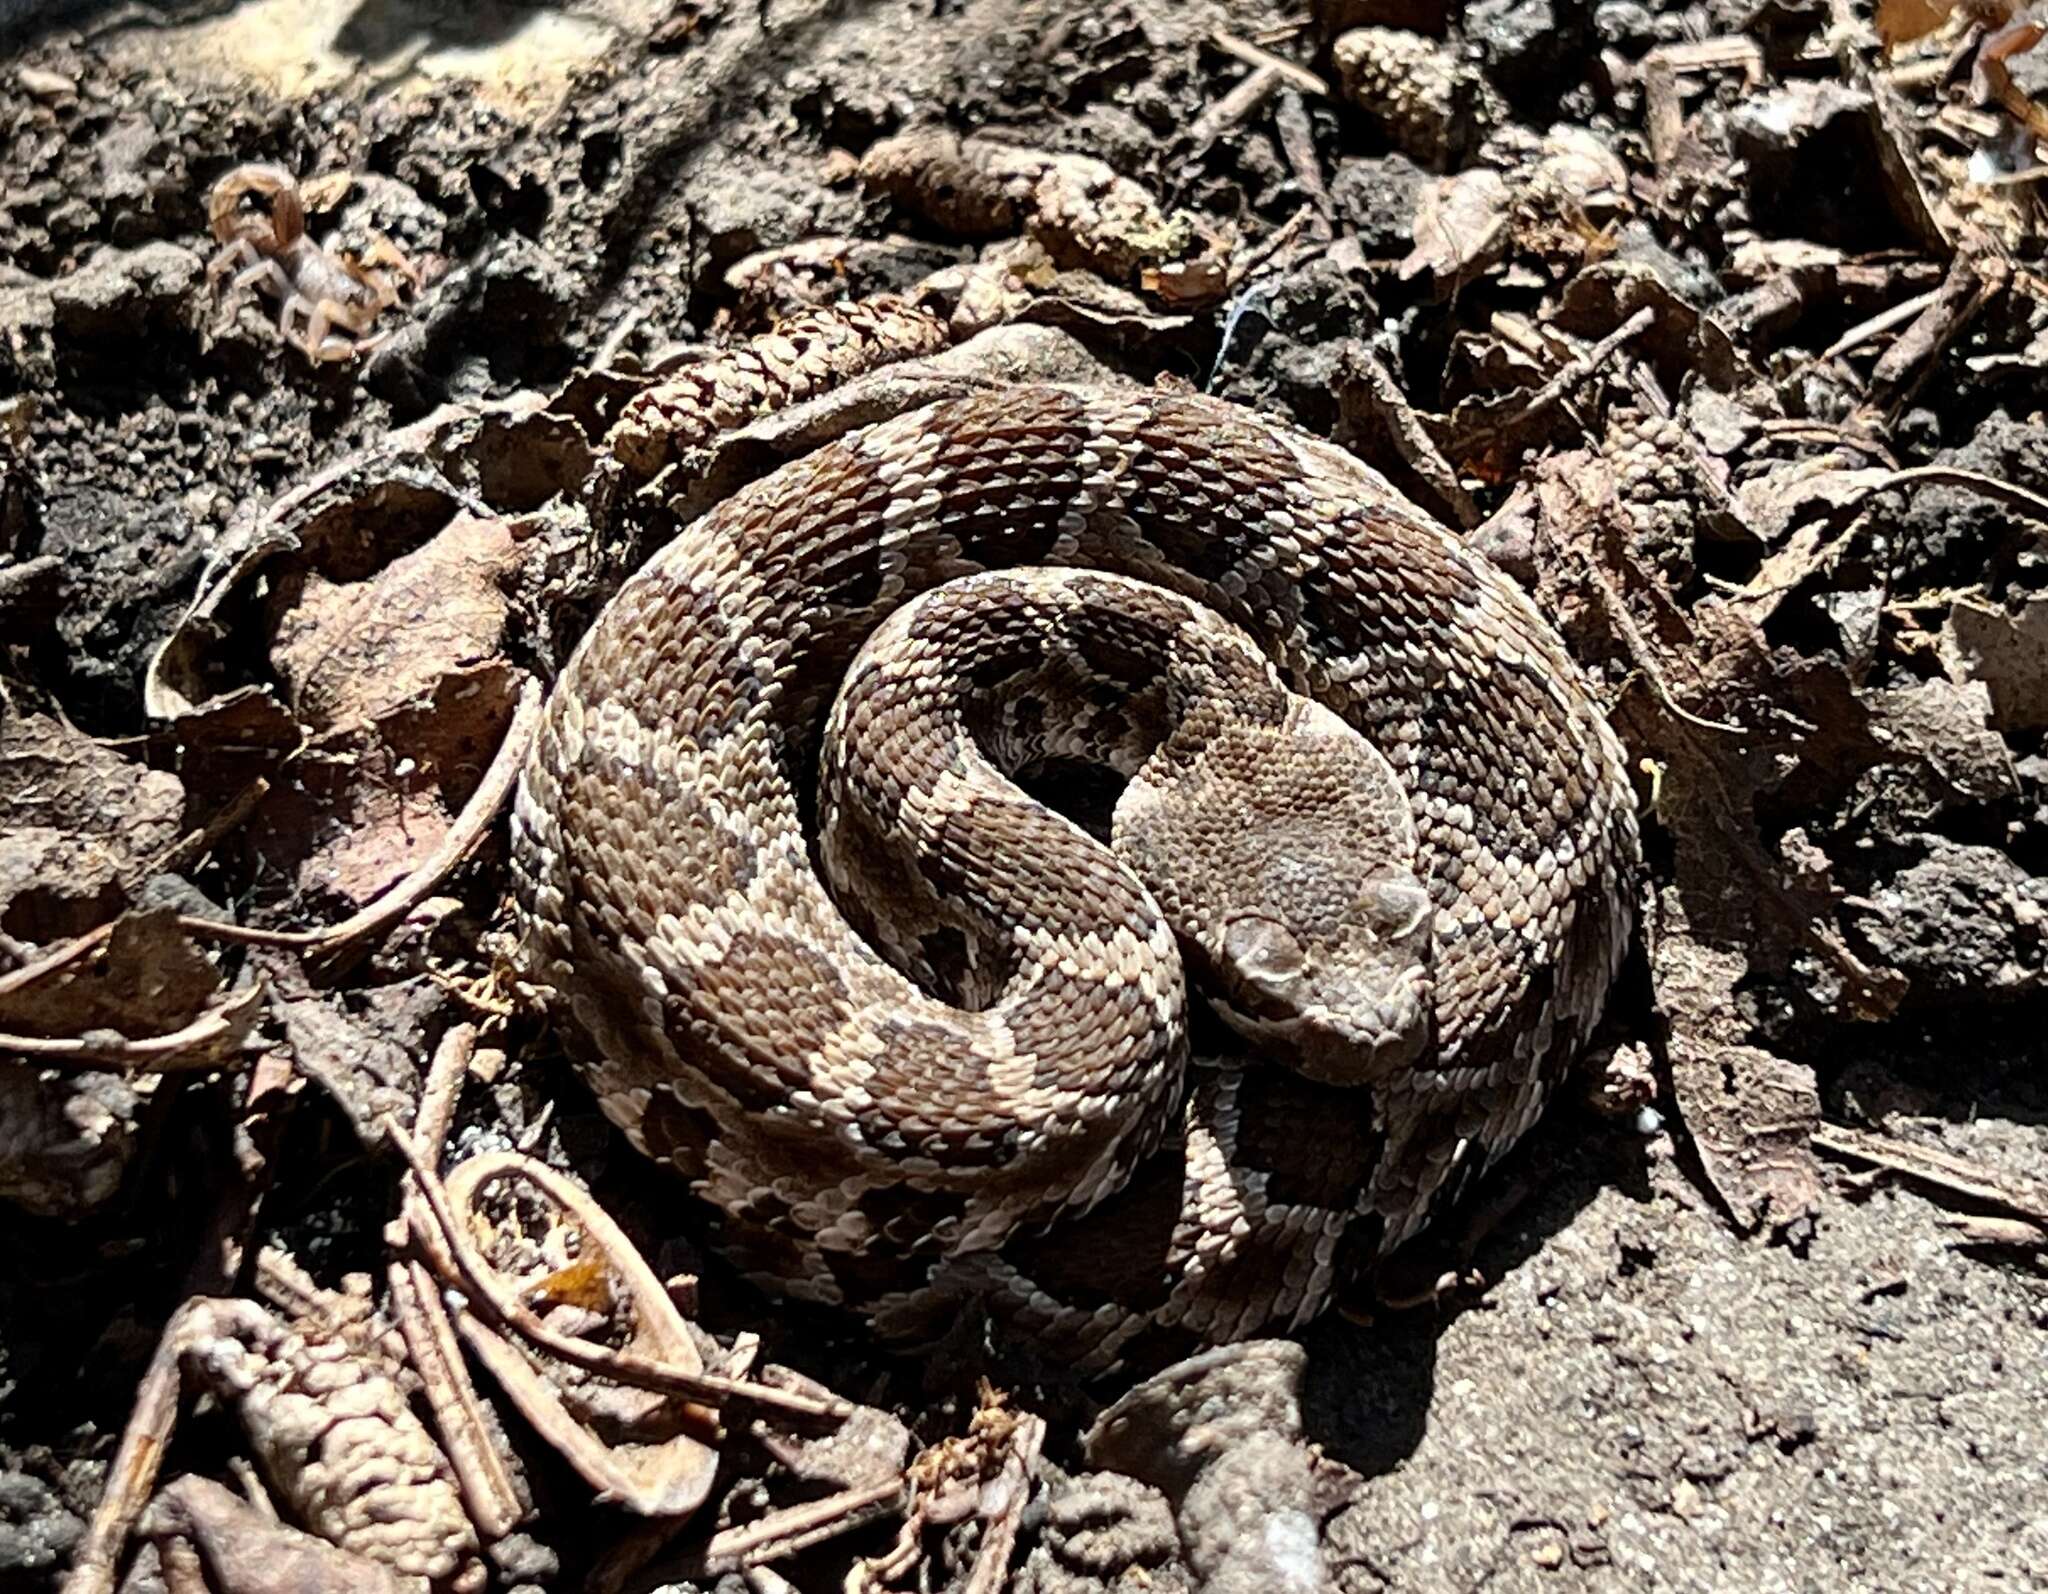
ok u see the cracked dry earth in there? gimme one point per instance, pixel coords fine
(1662, 1387)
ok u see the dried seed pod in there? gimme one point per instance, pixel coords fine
(807, 355)
(1434, 106)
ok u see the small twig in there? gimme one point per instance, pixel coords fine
(489, 1492)
(1973, 281)
(1298, 144)
(1576, 370)
(57, 959)
(1234, 107)
(445, 1074)
(2025, 1199)
(195, 1045)
(1252, 55)
(1880, 324)
(999, 1539)
(797, 1527)
(198, 843)
(132, 1475)
(620, 1366)
(2011, 494)
(1381, 396)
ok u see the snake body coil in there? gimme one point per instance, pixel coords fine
(1017, 1122)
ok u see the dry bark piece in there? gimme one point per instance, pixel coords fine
(1947, 728)
(868, 1448)
(364, 1055)
(2022, 1200)
(644, 1450)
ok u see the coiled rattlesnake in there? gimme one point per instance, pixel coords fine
(1425, 937)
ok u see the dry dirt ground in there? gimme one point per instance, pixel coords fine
(1753, 1335)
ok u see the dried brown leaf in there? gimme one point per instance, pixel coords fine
(2007, 652)
(1461, 227)
(350, 651)
(147, 979)
(1903, 21)
(84, 826)
(1751, 1115)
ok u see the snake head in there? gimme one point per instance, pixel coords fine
(1284, 856)
(1346, 998)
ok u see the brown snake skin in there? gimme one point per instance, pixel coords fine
(1039, 1143)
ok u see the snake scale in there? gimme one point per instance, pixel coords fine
(944, 1053)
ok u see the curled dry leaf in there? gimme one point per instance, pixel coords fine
(349, 651)
(143, 977)
(1751, 1115)
(84, 827)
(1461, 227)
(546, 1241)
(403, 670)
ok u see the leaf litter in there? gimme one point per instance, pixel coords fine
(1719, 328)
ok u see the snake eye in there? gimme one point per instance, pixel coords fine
(1396, 908)
(1263, 949)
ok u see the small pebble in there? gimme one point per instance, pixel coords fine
(43, 84)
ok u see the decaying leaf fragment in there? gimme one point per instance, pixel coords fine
(2007, 652)
(84, 827)
(1751, 1115)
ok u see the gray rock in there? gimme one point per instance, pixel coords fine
(123, 293)
(1964, 922)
